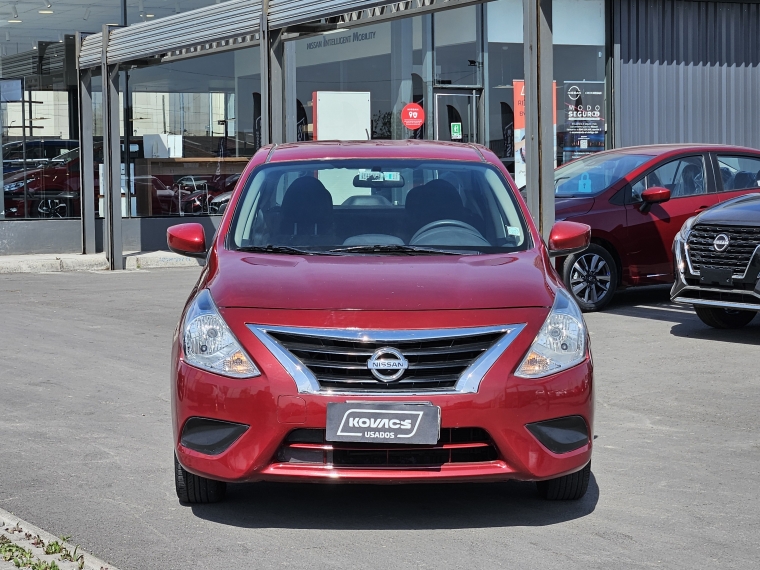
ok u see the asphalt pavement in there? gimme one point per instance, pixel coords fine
(86, 451)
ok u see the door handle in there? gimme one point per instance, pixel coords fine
(698, 210)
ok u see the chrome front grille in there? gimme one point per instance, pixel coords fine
(335, 360)
(742, 244)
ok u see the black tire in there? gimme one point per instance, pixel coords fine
(194, 489)
(568, 488)
(595, 289)
(724, 318)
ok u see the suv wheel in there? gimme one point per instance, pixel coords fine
(724, 318)
(591, 276)
(568, 488)
(194, 489)
(53, 208)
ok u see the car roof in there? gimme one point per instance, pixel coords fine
(660, 149)
(415, 149)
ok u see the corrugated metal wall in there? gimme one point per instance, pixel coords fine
(687, 71)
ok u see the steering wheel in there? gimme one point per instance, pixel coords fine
(438, 224)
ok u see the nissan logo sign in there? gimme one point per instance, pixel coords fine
(387, 364)
(574, 92)
(721, 242)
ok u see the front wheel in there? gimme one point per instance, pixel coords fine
(194, 489)
(53, 208)
(591, 276)
(568, 488)
(724, 318)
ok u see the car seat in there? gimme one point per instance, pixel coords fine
(744, 179)
(307, 212)
(690, 182)
(435, 200)
(727, 177)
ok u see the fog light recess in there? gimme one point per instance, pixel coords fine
(211, 437)
(561, 435)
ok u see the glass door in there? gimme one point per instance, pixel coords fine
(456, 116)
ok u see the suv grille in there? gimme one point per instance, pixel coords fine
(742, 243)
(456, 445)
(434, 364)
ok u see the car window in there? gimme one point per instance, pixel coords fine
(738, 172)
(593, 174)
(321, 206)
(683, 177)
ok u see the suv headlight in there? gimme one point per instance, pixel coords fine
(12, 187)
(561, 342)
(209, 344)
(683, 234)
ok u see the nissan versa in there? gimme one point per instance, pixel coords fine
(380, 312)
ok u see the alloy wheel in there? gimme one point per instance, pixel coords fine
(590, 278)
(51, 208)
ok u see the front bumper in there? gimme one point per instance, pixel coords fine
(742, 294)
(272, 408)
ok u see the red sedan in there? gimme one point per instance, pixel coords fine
(636, 199)
(380, 312)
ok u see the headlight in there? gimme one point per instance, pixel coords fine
(683, 235)
(13, 187)
(209, 343)
(561, 342)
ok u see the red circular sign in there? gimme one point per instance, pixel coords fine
(413, 116)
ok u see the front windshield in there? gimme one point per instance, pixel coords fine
(378, 206)
(592, 175)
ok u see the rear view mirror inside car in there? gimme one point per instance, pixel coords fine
(375, 179)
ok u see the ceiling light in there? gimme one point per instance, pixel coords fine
(7, 36)
(14, 19)
(86, 14)
(48, 9)
(150, 15)
(176, 7)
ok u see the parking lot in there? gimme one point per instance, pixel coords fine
(86, 450)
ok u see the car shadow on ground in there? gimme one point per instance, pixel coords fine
(654, 303)
(392, 507)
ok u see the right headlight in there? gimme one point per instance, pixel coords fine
(683, 234)
(561, 342)
(209, 344)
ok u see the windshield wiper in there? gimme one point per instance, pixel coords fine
(398, 249)
(286, 249)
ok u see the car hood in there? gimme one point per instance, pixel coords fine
(380, 283)
(569, 207)
(744, 210)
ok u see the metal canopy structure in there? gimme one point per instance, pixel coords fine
(270, 23)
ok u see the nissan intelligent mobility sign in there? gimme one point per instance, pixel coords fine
(417, 424)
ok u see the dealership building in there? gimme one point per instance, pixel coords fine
(163, 101)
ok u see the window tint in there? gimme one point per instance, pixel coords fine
(683, 177)
(593, 174)
(739, 172)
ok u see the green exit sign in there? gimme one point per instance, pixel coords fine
(456, 131)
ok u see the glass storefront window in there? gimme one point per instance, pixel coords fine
(579, 74)
(39, 109)
(147, 10)
(192, 125)
(457, 57)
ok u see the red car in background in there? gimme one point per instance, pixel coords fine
(380, 311)
(636, 199)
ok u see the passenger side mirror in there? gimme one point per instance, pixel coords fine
(567, 238)
(652, 196)
(187, 239)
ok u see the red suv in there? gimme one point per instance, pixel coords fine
(636, 199)
(380, 312)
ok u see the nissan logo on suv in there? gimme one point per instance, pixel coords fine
(387, 364)
(721, 242)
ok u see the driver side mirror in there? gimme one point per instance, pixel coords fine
(567, 238)
(187, 239)
(652, 196)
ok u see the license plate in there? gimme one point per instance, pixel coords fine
(716, 276)
(418, 424)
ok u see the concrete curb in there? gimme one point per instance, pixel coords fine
(10, 521)
(47, 263)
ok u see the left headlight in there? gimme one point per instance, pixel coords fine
(209, 343)
(13, 186)
(561, 342)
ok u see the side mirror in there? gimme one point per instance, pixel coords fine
(567, 238)
(652, 196)
(187, 239)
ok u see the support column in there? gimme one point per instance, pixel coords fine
(265, 75)
(291, 96)
(111, 160)
(539, 112)
(276, 86)
(86, 162)
(402, 51)
(428, 75)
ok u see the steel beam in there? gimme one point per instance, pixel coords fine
(111, 160)
(86, 162)
(539, 112)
